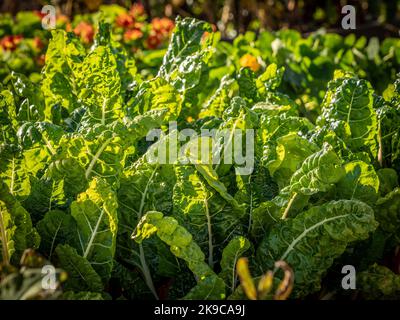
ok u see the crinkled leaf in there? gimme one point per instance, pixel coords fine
(379, 282)
(359, 182)
(209, 285)
(17, 230)
(57, 227)
(81, 275)
(317, 173)
(230, 255)
(348, 111)
(95, 212)
(311, 241)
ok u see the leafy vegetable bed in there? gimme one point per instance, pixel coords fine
(79, 184)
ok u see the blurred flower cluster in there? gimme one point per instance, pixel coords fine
(10, 43)
(139, 34)
(23, 41)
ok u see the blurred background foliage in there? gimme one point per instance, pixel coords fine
(374, 17)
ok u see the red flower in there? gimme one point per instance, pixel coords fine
(10, 43)
(85, 31)
(124, 20)
(137, 10)
(132, 35)
(38, 43)
(39, 14)
(153, 41)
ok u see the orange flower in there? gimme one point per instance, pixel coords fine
(249, 61)
(124, 20)
(132, 35)
(163, 26)
(156, 24)
(62, 19)
(138, 25)
(68, 27)
(85, 31)
(41, 60)
(137, 10)
(10, 43)
(153, 41)
(167, 25)
(205, 35)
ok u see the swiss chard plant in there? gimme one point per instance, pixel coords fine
(81, 186)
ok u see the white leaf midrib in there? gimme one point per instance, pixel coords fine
(93, 234)
(306, 231)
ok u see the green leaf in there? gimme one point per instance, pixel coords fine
(192, 208)
(388, 116)
(203, 212)
(14, 171)
(58, 85)
(95, 212)
(387, 211)
(31, 107)
(209, 174)
(7, 231)
(144, 186)
(273, 127)
(100, 155)
(209, 285)
(81, 275)
(18, 233)
(388, 180)
(276, 104)
(185, 42)
(126, 65)
(231, 253)
(379, 282)
(312, 240)
(219, 101)
(8, 116)
(270, 79)
(99, 86)
(157, 94)
(263, 217)
(70, 172)
(317, 173)
(348, 111)
(185, 62)
(246, 79)
(57, 227)
(359, 182)
(285, 155)
(44, 195)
